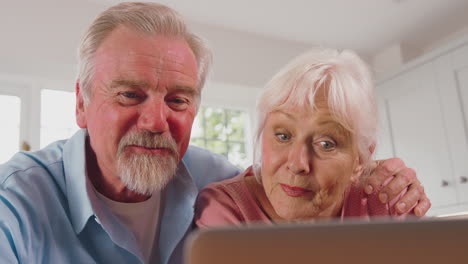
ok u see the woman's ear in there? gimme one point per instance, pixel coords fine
(359, 165)
(358, 169)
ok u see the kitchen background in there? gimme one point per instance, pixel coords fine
(418, 50)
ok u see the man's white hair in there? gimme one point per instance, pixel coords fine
(349, 88)
(151, 18)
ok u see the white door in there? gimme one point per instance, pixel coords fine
(412, 108)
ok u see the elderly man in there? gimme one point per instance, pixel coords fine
(122, 189)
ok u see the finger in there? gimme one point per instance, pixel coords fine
(368, 188)
(401, 180)
(423, 206)
(384, 169)
(411, 198)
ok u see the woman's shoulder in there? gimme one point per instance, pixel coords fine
(227, 202)
(235, 183)
(227, 192)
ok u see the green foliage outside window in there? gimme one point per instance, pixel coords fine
(221, 131)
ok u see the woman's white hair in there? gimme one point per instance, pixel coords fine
(151, 18)
(350, 92)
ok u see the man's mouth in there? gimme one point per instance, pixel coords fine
(149, 150)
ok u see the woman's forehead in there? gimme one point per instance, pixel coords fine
(319, 110)
(313, 99)
(320, 116)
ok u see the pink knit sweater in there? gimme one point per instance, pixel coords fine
(230, 203)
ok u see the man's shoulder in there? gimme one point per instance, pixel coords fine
(31, 191)
(23, 163)
(201, 154)
(206, 166)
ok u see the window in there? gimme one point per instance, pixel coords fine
(222, 131)
(57, 116)
(10, 114)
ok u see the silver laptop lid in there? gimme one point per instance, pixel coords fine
(424, 241)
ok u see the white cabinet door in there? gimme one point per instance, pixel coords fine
(462, 173)
(453, 73)
(413, 112)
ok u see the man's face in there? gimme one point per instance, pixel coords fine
(143, 103)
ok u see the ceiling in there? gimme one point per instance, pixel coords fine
(246, 36)
(367, 26)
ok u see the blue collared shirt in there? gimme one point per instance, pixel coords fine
(49, 211)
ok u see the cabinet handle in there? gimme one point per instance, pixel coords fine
(463, 179)
(445, 183)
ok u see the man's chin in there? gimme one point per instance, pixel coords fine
(144, 175)
(147, 187)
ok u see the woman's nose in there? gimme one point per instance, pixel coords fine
(154, 116)
(298, 160)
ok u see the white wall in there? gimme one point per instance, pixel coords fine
(40, 39)
(395, 56)
(244, 58)
(446, 40)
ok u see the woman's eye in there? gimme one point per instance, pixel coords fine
(282, 136)
(327, 145)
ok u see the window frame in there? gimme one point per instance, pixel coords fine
(22, 90)
(29, 90)
(235, 97)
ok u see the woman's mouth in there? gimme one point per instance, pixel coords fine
(295, 191)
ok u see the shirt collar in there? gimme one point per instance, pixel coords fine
(74, 163)
(179, 199)
(83, 200)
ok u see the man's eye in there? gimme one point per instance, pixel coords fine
(282, 136)
(130, 95)
(178, 101)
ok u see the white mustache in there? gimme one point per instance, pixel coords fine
(148, 140)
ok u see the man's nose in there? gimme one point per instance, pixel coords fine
(153, 116)
(299, 160)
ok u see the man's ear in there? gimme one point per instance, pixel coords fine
(80, 107)
(372, 148)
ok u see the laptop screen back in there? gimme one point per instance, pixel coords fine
(429, 241)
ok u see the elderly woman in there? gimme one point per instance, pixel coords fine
(316, 132)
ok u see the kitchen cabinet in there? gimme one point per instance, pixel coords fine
(424, 121)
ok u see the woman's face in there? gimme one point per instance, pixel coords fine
(308, 163)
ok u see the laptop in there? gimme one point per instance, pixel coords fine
(428, 241)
